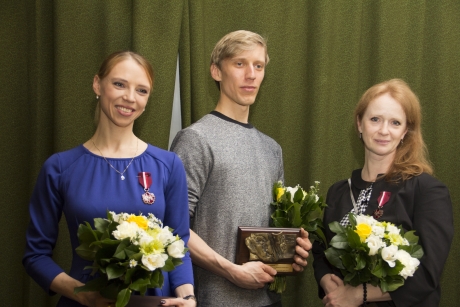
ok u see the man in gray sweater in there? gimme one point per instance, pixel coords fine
(231, 168)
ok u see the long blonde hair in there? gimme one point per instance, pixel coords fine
(411, 157)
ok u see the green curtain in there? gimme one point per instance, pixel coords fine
(324, 55)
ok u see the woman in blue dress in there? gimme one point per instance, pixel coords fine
(103, 174)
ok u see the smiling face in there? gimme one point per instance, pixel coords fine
(240, 77)
(123, 92)
(383, 126)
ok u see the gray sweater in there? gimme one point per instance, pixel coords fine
(231, 168)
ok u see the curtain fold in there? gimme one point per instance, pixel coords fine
(324, 55)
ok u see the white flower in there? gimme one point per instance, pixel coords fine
(392, 229)
(389, 254)
(292, 191)
(410, 263)
(132, 263)
(154, 261)
(374, 243)
(176, 249)
(126, 230)
(165, 236)
(115, 216)
(378, 230)
(365, 219)
(144, 238)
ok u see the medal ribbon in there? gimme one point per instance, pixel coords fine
(384, 197)
(145, 180)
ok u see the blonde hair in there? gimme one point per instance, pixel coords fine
(115, 58)
(236, 42)
(411, 158)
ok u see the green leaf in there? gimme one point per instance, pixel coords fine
(298, 195)
(115, 270)
(349, 262)
(361, 261)
(86, 234)
(336, 227)
(120, 251)
(295, 216)
(112, 290)
(352, 219)
(101, 224)
(339, 241)
(378, 271)
(86, 252)
(394, 271)
(123, 297)
(169, 265)
(139, 284)
(411, 237)
(354, 240)
(156, 279)
(334, 257)
(281, 222)
(393, 282)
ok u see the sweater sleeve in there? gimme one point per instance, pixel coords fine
(433, 223)
(196, 156)
(176, 217)
(45, 210)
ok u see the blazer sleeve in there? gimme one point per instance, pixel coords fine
(433, 222)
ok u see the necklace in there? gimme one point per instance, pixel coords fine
(121, 173)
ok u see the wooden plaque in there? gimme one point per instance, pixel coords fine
(145, 301)
(260, 234)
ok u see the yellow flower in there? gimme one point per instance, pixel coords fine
(279, 193)
(141, 221)
(363, 231)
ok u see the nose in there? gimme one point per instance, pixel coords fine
(129, 96)
(250, 72)
(384, 128)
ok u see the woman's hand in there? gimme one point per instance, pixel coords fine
(328, 284)
(178, 302)
(94, 299)
(342, 295)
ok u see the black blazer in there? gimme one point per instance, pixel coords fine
(421, 203)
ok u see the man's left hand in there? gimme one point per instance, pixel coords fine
(302, 248)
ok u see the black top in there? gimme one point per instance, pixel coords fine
(421, 203)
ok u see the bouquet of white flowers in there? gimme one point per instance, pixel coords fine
(293, 207)
(369, 251)
(128, 253)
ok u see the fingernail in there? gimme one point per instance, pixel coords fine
(163, 302)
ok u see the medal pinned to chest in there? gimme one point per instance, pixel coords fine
(145, 180)
(384, 197)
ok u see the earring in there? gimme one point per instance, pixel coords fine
(97, 97)
(360, 135)
(402, 141)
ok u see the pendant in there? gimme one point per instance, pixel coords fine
(122, 177)
(148, 198)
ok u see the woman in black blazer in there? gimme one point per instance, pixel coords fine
(388, 120)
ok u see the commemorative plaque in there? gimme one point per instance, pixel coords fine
(273, 246)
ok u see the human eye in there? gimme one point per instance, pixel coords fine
(374, 119)
(118, 84)
(259, 66)
(396, 123)
(143, 91)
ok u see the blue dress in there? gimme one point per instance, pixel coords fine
(83, 186)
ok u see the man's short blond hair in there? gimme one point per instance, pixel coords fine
(236, 42)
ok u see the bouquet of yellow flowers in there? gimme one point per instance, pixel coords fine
(128, 253)
(369, 251)
(293, 207)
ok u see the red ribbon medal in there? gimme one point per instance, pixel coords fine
(145, 180)
(384, 197)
